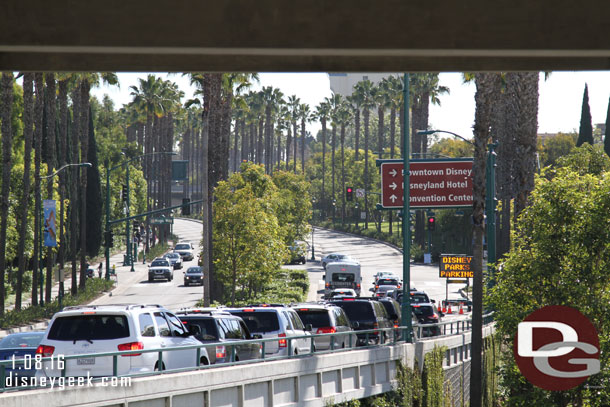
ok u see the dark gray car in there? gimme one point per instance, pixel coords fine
(193, 275)
(210, 326)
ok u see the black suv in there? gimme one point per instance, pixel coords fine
(213, 326)
(427, 313)
(366, 314)
(392, 307)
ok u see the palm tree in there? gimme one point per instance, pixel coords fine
(294, 104)
(304, 115)
(344, 116)
(487, 86)
(28, 78)
(334, 103)
(271, 97)
(425, 89)
(355, 101)
(364, 92)
(38, 109)
(7, 155)
(393, 88)
(50, 151)
(322, 113)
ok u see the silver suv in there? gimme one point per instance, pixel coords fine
(160, 268)
(185, 250)
(327, 319)
(276, 321)
(83, 330)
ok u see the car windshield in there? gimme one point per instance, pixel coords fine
(89, 327)
(317, 318)
(389, 307)
(159, 263)
(357, 311)
(194, 270)
(182, 247)
(260, 321)
(22, 340)
(343, 277)
(423, 310)
(387, 281)
(173, 256)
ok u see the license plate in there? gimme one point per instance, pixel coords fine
(85, 361)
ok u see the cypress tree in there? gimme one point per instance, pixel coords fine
(94, 196)
(585, 133)
(607, 135)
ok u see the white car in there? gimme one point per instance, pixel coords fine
(334, 257)
(185, 250)
(83, 330)
(160, 268)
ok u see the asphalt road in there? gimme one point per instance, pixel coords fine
(134, 288)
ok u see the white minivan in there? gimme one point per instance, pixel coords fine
(83, 330)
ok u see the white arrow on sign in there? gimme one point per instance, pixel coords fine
(393, 198)
(393, 172)
(393, 186)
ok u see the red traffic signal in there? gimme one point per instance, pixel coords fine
(431, 223)
(349, 193)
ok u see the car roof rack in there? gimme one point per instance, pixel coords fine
(102, 306)
(263, 305)
(202, 311)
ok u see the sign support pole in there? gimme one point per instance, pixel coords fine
(406, 220)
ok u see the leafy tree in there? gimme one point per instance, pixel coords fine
(7, 140)
(451, 147)
(555, 147)
(607, 135)
(560, 256)
(585, 132)
(294, 205)
(248, 245)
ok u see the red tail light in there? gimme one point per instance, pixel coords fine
(248, 310)
(282, 342)
(327, 285)
(326, 330)
(375, 325)
(221, 352)
(395, 325)
(131, 346)
(358, 286)
(433, 316)
(45, 350)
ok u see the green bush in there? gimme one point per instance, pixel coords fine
(156, 251)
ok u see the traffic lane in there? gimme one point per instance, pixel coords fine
(172, 294)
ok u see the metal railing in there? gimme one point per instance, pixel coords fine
(358, 339)
(440, 329)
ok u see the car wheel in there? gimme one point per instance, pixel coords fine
(186, 284)
(150, 279)
(204, 361)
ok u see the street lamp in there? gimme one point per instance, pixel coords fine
(313, 248)
(41, 228)
(128, 254)
(428, 132)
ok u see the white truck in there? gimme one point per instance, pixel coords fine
(344, 274)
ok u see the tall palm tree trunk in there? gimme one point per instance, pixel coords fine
(294, 131)
(50, 149)
(342, 174)
(25, 197)
(323, 198)
(356, 133)
(74, 142)
(38, 108)
(288, 145)
(485, 85)
(84, 125)
(7, 155)
(63, 142)
(332, 165)
(303, 146)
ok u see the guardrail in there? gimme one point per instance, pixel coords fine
(422, 331)
(369, 338)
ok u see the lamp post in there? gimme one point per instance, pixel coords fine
(41, 228)
(313, 248)
(128, 254)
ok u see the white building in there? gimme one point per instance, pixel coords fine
(343, 83)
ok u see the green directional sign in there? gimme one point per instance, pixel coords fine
(179, 170)
(162, 221)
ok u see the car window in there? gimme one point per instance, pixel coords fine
(176, 325)
(342, 319)
(296, 321)
(423, 310)
(162, 324)
(343, 277)
(21, 340)
(259, 322)
(159, 263)
(245, 334)
(317, 318)
(182, 247)
(419, 298)
(230, 328)
(286, 319)
(207, 326)
(89, 327)
(357, 310)
(147, 328)
(194, 270)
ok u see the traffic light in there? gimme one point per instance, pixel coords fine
(186, 206)
(349, 193)
(124, 193)
(431, 223)
(109, 235)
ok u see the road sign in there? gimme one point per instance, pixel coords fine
(359, 193)
(433, 184)
(457, 281)
(455, 266)
(162, 221)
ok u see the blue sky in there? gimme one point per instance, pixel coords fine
(559, 104)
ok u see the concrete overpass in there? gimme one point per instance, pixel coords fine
(304, 35)
(306, 381)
